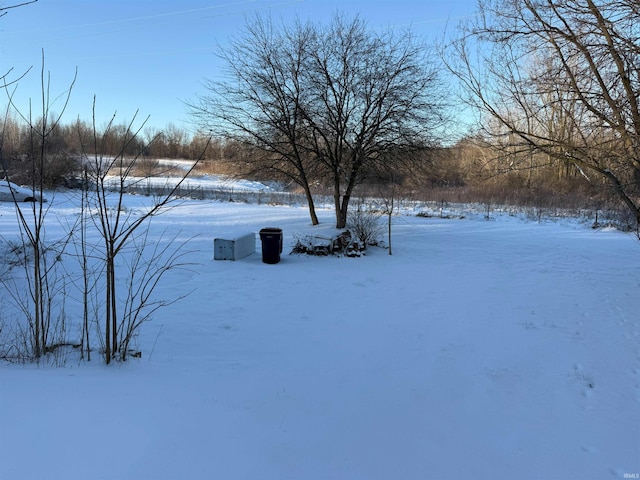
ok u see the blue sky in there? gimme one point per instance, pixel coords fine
(151, 55)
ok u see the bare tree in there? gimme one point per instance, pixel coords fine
(559, 79)
(41, 279)
(41, 304)
(325, 104)
(371, 94)
(262, 105)
(3, 10)
(109, 172)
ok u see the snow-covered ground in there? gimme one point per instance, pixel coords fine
(499, 349)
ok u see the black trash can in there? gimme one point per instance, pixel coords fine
(271, 239)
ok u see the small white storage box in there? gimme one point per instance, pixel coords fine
(234, 248)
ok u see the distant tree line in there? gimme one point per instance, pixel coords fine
(471, 169)
(66, 143)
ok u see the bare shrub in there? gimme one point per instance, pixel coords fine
(365, 224)
(146, 167)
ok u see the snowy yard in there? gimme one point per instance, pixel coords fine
(500, 349)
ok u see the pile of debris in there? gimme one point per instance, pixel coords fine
(341, 244)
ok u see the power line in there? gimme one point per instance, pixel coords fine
(135, 19)
(93, 33)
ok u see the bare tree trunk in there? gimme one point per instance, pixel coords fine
(340, 221)
(343, 211)
(390, 208)
(86, 344)
(108, 314)
(40, 340)
(389, 214)
(311, 204)
(114, 312)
